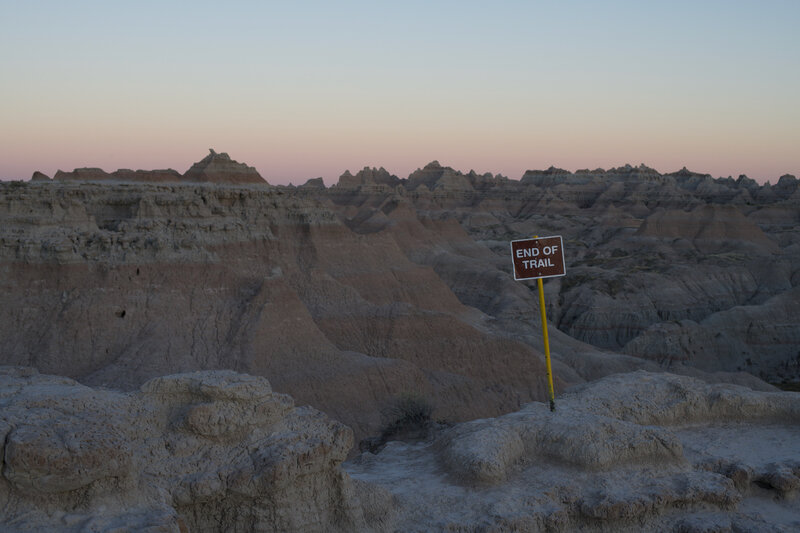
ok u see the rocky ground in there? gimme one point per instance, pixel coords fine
(208, 451)
(631, 452)
(220, 451)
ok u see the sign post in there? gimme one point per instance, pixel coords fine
(539, 258)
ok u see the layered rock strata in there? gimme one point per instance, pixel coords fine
(350, 296)
(648, 255)
(220, 168)
(114, 285)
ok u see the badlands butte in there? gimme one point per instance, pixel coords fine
(206, 351)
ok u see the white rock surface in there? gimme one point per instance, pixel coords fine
(219, 451)
(631, 452)
(207, 451)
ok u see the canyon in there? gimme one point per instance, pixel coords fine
(351, 296)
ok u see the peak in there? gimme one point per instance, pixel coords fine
(433, 164)
(555, 170)
(683, 172)
(314, 183)
(686, 173)
(220, 168)
(213, 155)
(39, 176)
(550, 171)
(368, 176)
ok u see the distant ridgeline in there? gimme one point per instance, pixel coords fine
(616, 183)
(220, 168)
(214, 168)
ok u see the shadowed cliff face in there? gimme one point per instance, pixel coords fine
(350, 296)
(113, 285)
(681, 269)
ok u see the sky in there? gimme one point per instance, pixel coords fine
(307, 89)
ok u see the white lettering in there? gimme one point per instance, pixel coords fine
(527, 252)
(537, 263)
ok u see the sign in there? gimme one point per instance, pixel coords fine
(542, 257)
(537, 258)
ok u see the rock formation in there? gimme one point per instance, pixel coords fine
(220, 451)
(214, 168)
(38, 176)
(645, 250)
(207, 451)
(138, 281)
(220, 168)
(707, 227)
(83, 174)
(381, 285)
(157, 176)
(631, 452)
(352, 297)
(96, 174)
(368, 177)
(315, 184)
(123, 174)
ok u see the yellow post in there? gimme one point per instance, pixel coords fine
(546, 343)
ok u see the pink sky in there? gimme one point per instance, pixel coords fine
(300, 93)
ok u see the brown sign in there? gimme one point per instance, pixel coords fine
(538, 258)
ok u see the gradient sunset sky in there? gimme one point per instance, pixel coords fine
(307, 89)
